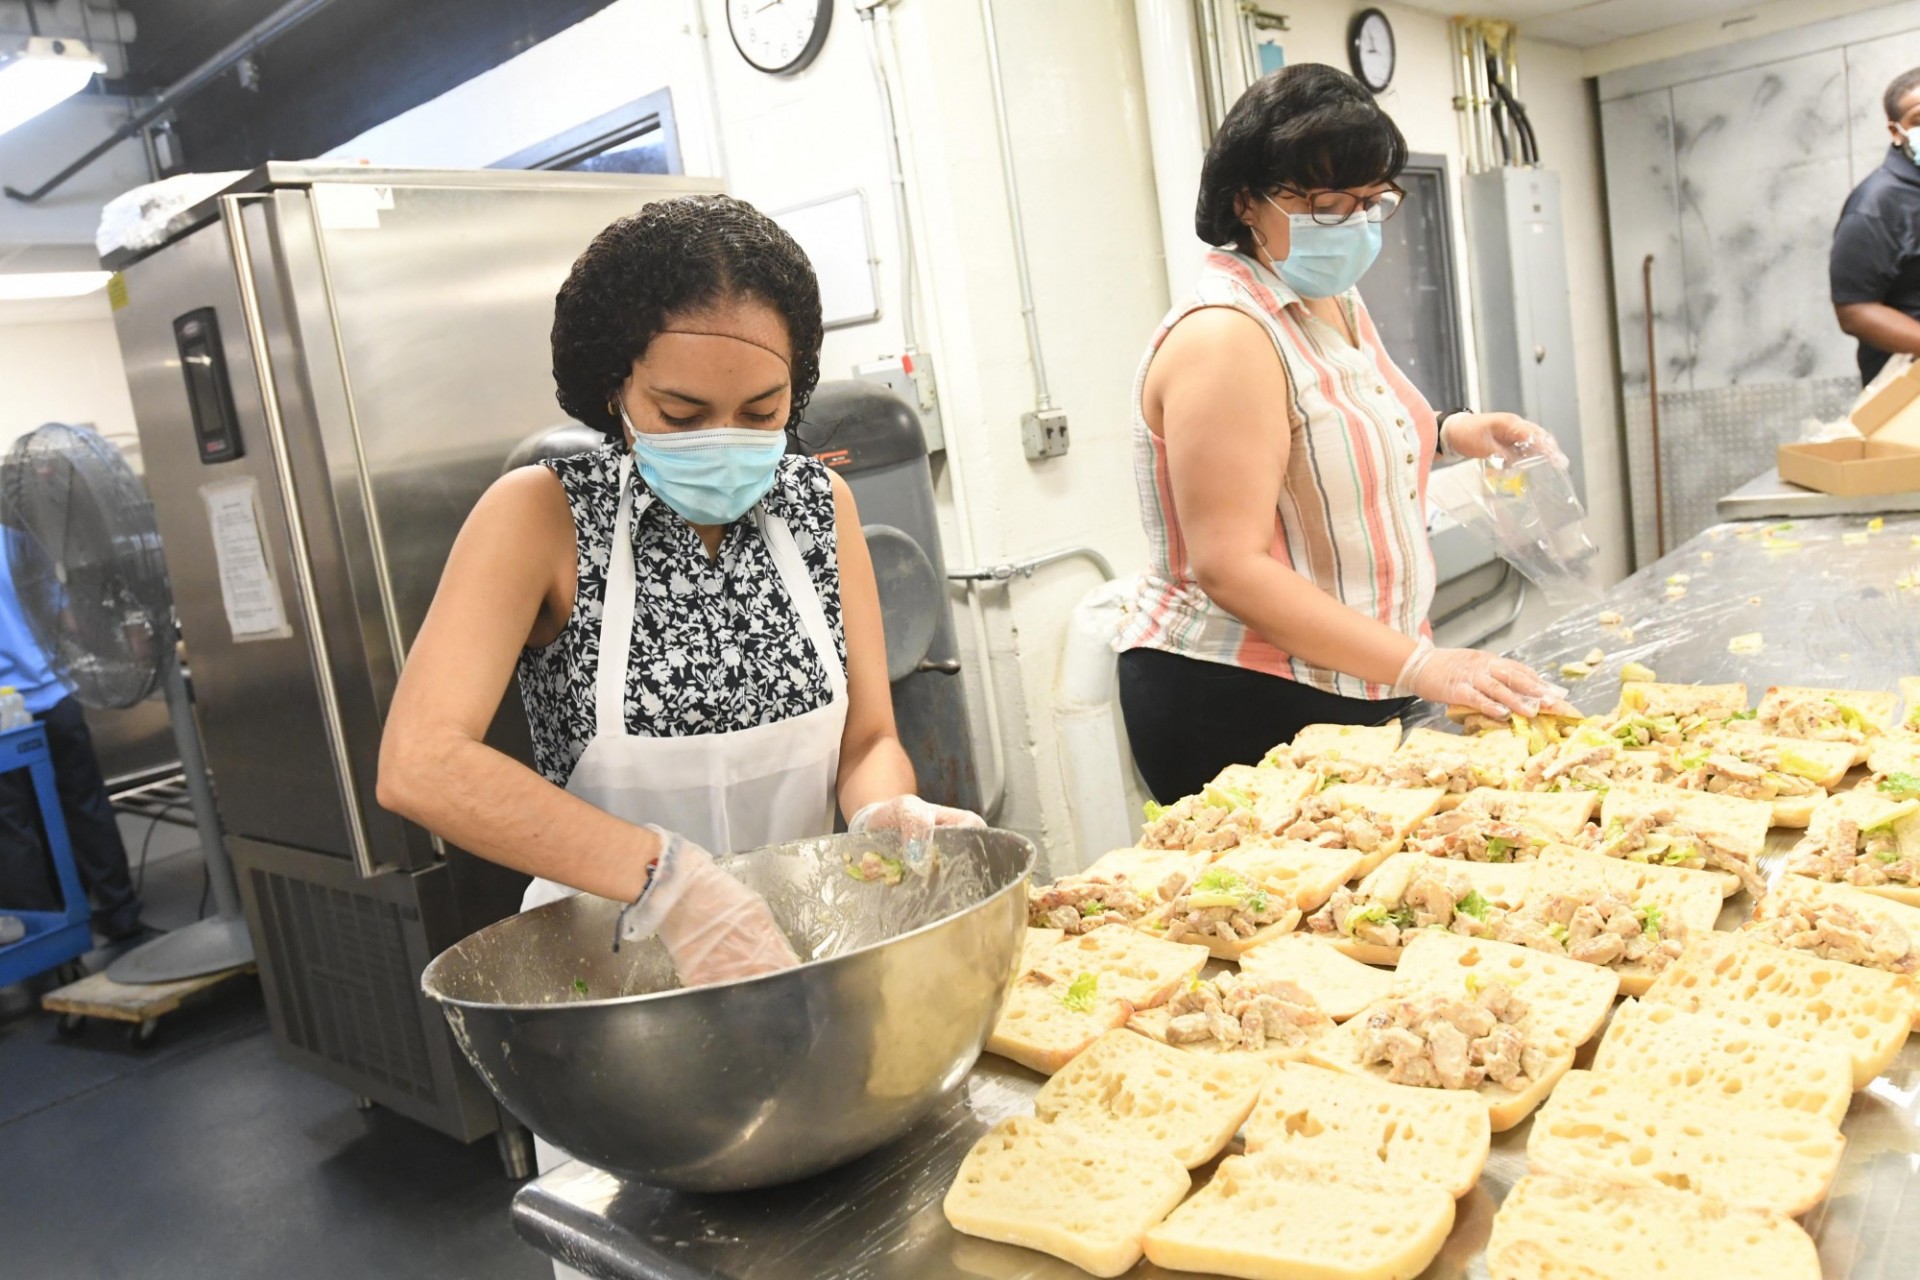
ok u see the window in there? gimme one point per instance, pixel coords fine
(637, 138)
(1411, 290)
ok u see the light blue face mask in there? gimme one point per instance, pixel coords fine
(1906, 145)
(1325, 261)
(710, 476)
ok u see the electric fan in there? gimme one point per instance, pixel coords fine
(92, 585)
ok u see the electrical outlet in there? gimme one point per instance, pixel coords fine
(1044, 433)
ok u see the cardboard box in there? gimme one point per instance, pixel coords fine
(1886, 459)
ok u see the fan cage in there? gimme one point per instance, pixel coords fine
(84, 554)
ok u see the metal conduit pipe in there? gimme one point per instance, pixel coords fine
(1042, 399)
(994, 792)
(896, 174)
(255, 38)
(1009, 569)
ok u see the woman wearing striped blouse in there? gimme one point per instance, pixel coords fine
(1282, 461)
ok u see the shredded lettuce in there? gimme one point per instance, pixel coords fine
(1888, 856)
(1080, 993)
(1800, 766)
(1091, 909)
(1226, 797)
(580, 986)
(1154, 810)
(1373, 913)
(1679, 856)
(1499, 849)
(1401, 917)
(1332, 779)
(1473, 905)
(1899, 813)
(1692, 760)
(1558, 932)
(1901, 784)
(1650, 918)
(1474, 983)
(1749, 714)
(1852, 717)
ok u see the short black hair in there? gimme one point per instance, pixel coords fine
(1903, 84)
(672, 257)
(1308, 126)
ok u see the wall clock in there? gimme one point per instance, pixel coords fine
(1370, 49)
(779, 37)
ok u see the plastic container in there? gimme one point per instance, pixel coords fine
(1526, 510)
(13, 710)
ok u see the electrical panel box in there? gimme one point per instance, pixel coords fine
(1522, 312)
(910, 377)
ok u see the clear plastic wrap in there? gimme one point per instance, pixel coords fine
(1525, 509)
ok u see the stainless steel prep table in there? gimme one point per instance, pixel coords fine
(1829, 612)
(1768, 497)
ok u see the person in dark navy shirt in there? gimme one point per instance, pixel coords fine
(1874, 269)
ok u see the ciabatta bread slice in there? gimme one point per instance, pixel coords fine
(1324, 748)
(1458, 763)
(1866, 839)
(1657, 1044)
(1355, 922)
(1343, 1121)
(1338, 984)
(1305, 875)
(1257, 891)
(1067, 1193)
(1739, 980)
(1561, 814)
(1141, 970)
(1657, 698)
(1839, 922)
(1552, 1228)
(1045, 1023)
(1822, 764)
(1567, 1000)
(1669, 906)
(1678, 820)
(1243, 803)
(1382, 815)
(1852, 716)
(1272, 1217)
(1133, 1090)
(1145, 869)
(1624, 1131)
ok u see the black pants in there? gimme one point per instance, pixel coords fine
(1188, 719)
(26, 871)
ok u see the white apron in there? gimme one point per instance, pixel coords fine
(724, 791)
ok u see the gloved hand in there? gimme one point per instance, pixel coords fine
(1492, 685)
(715, 928)
(1505, 436)
(915, 819)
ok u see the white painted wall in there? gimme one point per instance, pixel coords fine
(1710, 33)
(43, 146)
(65, 372)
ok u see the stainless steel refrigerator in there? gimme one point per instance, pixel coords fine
(328, 365)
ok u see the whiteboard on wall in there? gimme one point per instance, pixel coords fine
(838, 240)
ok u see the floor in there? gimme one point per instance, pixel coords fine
(205, 1156)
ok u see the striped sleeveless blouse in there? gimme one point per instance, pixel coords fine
(1351, 517)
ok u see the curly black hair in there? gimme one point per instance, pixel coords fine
(672, 257)
(1308, 126)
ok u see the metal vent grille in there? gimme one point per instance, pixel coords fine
(345, 981)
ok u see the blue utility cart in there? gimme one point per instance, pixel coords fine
(54, 938)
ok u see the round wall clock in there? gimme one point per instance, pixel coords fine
(1370, 49)
(779, 37)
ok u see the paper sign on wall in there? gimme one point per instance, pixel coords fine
(255, 610)
(835, 237)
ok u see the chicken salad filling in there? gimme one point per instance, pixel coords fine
(1433, 898)
(1436, 1042)
(1849, 852)
(1326, 822)
(1080, 904)
(1471, 834)
(1834, 931)
(1220, 903)
(1244, 1011)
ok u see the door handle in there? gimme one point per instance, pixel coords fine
(946, 666)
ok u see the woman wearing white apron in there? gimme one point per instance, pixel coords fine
(692, 613)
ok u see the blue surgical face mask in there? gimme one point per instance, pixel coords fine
(1323, 261)
(710, 476)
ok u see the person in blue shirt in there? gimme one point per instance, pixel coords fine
(26, 873)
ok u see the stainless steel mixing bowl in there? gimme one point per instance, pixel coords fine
(748, 1084)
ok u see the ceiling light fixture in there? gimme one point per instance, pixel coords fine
(25, 286)
(42, 74)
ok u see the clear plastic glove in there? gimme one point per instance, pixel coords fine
(715, 928)
(1505, 436)
(1492, 685)
(915, 819)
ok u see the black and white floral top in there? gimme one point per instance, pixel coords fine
(717, 644)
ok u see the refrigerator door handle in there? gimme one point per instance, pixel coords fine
(231, 215)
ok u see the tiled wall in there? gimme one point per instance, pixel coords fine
(1732, 176)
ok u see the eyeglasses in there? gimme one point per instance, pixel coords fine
(1331, 208)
